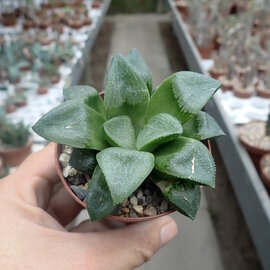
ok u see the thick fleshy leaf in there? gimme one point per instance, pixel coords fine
(187, 159)
(159, 129)
(135, 59)
(182, 95)
(83, 160)
(120, 132)
(125, 92)
(201, 127)
(87, 94)
(72, 123)
(98, 198)
(124, 170)
(183, 195)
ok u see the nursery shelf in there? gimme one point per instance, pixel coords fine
(79, 67)
(251, 194)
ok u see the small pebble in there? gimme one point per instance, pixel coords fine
(78, 179)
(148, 199)
(138, 210)
(125, 203)
(72, 172)
(150, 211)
(125, 210)
(67, 149)
(132, 214)
(140, 201)
(133, 200)
(139, 194)
(79, 192)
(66, 171)
(85, 187)
(64, 159)
(163, 206)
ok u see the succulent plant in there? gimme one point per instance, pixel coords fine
(13, 135)
(137, 134)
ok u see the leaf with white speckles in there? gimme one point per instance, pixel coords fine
(124, 170)
(187, 159)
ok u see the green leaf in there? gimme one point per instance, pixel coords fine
(124, 170)
(182, 95)
(72, 123)
(98, 198)
(120, 132)
(125, 92)
(159, 129)
(83, 160)
(135, 59)
(87, 94)
(201, 127)
(182, 195)
(187, 159)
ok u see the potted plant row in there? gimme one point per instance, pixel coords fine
(132, 153)
(15, 142)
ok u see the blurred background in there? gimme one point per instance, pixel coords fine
(47, 45)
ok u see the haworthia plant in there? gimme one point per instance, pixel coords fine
(137, 134)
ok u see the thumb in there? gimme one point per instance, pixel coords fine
(131, 246)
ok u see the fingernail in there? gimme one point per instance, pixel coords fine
(168, 232)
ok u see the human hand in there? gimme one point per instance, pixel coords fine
(33, 219)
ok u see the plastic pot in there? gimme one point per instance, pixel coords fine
(58, 152)
(13, 157)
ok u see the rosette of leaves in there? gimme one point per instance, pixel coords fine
(137, 134)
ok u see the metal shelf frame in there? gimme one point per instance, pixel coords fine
(251, 193)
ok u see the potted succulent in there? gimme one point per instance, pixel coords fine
(255, 136)
(137, 154)
(244, 88)
(15, 142)
(265, 170)
(263, 87)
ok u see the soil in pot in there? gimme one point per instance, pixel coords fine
(146, 202)
(262, 91)
(252, 136)
(265, 170)
(13, 157)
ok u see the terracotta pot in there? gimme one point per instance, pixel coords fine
(42, 90)
(28, 25)
(226, 84)
(55, 79)
(266, 179)
(206, 52)
(87, 21)
(182, 8)
(10, 108)
(216, 73)
(96, 4)
(254, 152)
(13, 157)
(241, 93)
(9, 19)
(263, 92)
